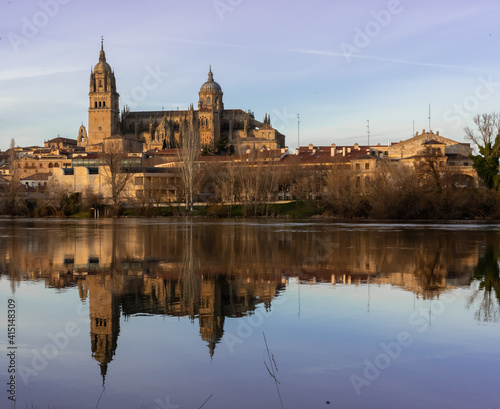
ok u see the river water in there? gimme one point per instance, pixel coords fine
(166, 313)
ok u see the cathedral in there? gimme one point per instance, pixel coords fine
(147, 130)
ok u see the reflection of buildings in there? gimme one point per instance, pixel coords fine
(209, 271)
(206, 298)
(425, 261)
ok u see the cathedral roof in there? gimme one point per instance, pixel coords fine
(210, 85)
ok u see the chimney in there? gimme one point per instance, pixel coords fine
(348, 150)
(343, 151)
(296, 151)
(356, 146)
(333, 149)
(283, 150)
(311, 146)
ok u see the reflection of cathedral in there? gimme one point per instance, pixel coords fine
(208, 298)
(139, 131)
(211, 271)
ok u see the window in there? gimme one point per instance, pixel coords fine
(367, 166)
(358, 166)
(104, 104)
(209, 101)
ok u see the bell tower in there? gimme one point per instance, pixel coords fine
(104, 113)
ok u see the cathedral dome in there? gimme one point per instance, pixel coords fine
(102, 66)
(210, 85)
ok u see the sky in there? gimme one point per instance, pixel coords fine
(337, 64)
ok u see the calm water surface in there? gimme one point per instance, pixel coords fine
(170, 313)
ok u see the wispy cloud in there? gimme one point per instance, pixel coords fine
(33, 72)
(393, 60)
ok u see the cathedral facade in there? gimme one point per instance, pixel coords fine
(146, 130)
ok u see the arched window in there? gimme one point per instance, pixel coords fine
(51, 165)
(56, 165)
(104, 104)
(100, 83)
(201, 101)
(95, 104)
(99, 104)
(209, 101)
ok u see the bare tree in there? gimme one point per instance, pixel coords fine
(226, 183)
(188, 153)
(488, 129)
(487, 141)
(13, 202)
(116, 172)
(429, 168)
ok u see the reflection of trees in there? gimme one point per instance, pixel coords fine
(487, 275)
(189, 282)
(431, 274)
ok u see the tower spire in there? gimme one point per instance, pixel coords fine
(102, 55)
(210, 75)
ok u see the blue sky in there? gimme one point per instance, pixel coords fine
(336, 63)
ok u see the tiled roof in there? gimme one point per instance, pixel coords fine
(433, 142)
(37, 176)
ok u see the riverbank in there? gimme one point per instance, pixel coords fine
(411, 204)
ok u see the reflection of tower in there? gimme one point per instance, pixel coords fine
(104, 321)
(211, 317)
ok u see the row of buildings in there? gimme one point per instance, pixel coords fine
(151, 142)
(62, 164)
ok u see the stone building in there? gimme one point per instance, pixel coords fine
(165, 129)
(413, 146)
